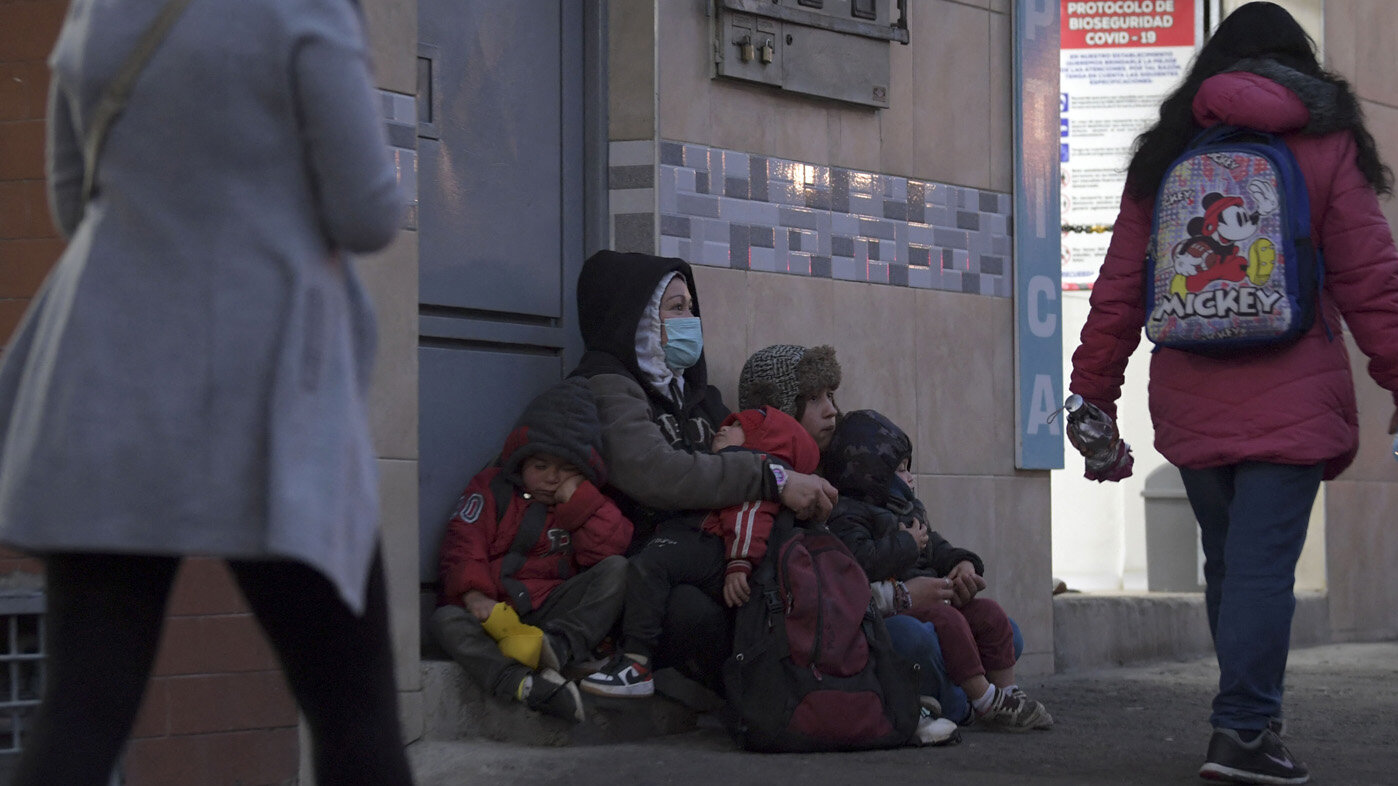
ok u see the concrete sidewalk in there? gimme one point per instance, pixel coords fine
(1137, 725)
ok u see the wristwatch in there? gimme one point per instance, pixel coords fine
(779, 475)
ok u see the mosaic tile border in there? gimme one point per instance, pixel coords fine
(400, 119)
(726, 208)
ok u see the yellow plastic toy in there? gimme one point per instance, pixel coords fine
(517, 640)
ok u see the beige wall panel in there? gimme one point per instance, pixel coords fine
(1375, 73)
(876, 338)
(685, 68)
(398, 523)
(965, 395)
(855, 138)
(726, 303)
(391, 26)
(900, 120)
(1342, 23)
(738, 117)
(1375, 460)
(1382, 122)
(1361, 549)
(391, 279)
(1005, 520)
(1002, 164)
(789, 309)
(952, 55)
(631, 69)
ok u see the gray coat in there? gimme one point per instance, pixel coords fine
(191, 377)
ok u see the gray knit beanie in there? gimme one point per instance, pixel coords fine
(782, 375)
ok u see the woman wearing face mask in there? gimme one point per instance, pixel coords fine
(639, 317)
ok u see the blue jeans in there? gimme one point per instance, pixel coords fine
(1252, 522)
(917, 641)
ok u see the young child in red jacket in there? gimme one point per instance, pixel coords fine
(531, 565)
(715, 552)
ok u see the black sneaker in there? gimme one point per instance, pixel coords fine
(1264, 760)
(622, 677)
(547, 691)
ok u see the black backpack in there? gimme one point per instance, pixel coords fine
(812, 667)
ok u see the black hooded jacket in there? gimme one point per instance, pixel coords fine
(656, 448)
(862, 462)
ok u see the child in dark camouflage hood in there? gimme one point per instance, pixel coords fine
(885, 525)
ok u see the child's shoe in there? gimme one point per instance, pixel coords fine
(932, 729)
(1011, 710)
(622, 676)
(547, 691)
(517, 640)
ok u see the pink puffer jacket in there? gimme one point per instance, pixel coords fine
(1293, 405)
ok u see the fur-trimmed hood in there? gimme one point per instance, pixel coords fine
(1268, 96)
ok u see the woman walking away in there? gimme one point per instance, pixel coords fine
(1255, 430)
(191, 377)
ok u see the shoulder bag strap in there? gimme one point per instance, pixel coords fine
(115, 95)
(530, 528)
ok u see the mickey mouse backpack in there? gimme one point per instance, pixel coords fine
(1231, 265)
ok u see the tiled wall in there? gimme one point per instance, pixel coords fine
(728, 208)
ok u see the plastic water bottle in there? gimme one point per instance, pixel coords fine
(1090, 430)
(1395, 447)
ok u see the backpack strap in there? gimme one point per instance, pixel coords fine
(118, 91)
(530, 528)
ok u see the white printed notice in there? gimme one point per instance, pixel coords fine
(1118, 61)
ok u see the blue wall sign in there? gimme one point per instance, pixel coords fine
(1037, 237)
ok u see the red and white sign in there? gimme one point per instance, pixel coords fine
(1128, 23)
(1118, 61)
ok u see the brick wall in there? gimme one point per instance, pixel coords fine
(28, 243)
(216, 710)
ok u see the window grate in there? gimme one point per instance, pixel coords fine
(21, 664)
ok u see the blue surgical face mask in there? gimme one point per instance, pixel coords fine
(684, 342)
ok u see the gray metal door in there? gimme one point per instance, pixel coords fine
(501, 201)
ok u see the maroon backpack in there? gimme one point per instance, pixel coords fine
(812, 668)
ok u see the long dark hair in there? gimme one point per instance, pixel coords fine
(1255, 30)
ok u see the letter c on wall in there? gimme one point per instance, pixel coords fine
(1042, 321)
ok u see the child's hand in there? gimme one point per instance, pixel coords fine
(735, 589)
(919, 532)
(478, 604)
(965, 582)
(566, 487)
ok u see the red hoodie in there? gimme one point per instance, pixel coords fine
(746, 527)
(1292, 405)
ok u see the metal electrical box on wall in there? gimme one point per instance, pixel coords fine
(829, 48)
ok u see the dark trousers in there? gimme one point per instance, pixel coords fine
(104, 617)
(581, 610)
(674, 612)
(1252, 518)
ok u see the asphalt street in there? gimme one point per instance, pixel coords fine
(1138, 725)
